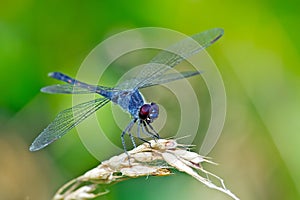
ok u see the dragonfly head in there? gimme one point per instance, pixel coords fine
(149, 112)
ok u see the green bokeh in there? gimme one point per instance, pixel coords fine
(258, 58)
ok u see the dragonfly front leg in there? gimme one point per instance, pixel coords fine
(155, 134)
(138, 132)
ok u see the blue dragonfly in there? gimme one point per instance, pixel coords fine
(127, 93)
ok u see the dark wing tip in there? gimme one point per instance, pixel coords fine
(220, 33)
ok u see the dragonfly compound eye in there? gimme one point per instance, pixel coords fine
(153, 111)
(144, 111)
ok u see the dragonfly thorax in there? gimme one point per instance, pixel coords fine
(130, 101)
(149, 112)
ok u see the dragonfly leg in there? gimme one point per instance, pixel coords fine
(147, 132)
(131, 136)
(155, 134)
(127, 130)
(139, 135)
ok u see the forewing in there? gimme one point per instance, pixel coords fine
(172, 56)
(171, 77)
(65, 121)
(66, 89)
(73, 89)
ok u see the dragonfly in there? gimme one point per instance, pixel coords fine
(127, 93)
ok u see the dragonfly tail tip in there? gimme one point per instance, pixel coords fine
(51, 74)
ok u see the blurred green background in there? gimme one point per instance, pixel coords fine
(258, 58)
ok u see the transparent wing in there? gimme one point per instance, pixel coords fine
(65, 121)
(165, 78)
(172, 56)
(170, 77)
(66, 89)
